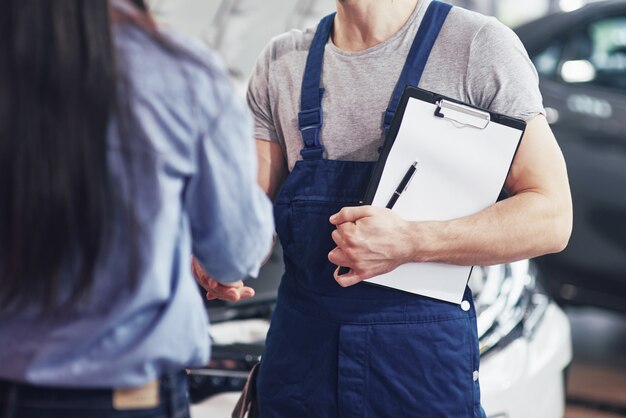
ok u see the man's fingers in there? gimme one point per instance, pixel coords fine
(246, 293)
(351, 214)
(347, 279)
(338, 238)
(238, 284)
(339, 258)
(231, 294)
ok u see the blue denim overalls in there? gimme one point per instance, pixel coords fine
(366, 350)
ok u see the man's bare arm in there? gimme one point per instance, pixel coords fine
(535, 220)
(272, 167)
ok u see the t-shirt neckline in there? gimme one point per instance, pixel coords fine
(373, 49)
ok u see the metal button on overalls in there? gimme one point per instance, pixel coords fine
(364, 350)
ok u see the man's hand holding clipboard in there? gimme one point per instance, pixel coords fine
(347, 276)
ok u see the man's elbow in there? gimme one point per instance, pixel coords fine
(562, 224)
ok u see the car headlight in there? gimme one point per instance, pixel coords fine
(509, 303)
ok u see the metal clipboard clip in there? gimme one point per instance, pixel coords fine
(462, 114)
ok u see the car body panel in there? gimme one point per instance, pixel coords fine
(589, 122)
(525, 379)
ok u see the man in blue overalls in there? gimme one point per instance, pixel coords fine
(322, 100)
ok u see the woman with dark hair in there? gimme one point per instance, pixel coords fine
(122, 152)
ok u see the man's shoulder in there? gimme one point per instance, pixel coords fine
(290, 42)
(471, 25)
(465, 18)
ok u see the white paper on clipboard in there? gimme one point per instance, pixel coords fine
(461, 169)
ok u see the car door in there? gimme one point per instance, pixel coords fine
(583, 82)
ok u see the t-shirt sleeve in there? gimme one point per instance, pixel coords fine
(258, 98)
(500, 75)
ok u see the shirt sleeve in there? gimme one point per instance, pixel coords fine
(258, 98)
(500, 75)
(230, 216)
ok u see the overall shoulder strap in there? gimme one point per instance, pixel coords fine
(310, 115)
(418, 55)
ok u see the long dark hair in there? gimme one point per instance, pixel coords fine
(57, 96)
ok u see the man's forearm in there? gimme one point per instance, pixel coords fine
(524, 226)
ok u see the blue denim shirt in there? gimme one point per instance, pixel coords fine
(193, 188)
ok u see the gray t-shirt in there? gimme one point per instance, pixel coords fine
(476, 59)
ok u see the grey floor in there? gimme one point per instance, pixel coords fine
(597, 379)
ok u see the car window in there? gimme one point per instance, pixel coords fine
(609, 53)
(547, 61)
(597, 54)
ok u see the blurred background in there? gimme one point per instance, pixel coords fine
(579, 49)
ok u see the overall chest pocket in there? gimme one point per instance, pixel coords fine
(311, 229)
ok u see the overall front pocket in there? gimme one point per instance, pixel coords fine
(407, 370)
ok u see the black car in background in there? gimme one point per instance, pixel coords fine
(581, 60)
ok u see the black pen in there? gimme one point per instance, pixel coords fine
(403, 185)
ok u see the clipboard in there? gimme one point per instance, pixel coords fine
(464, 155)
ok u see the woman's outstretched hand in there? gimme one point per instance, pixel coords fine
(232, 292)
